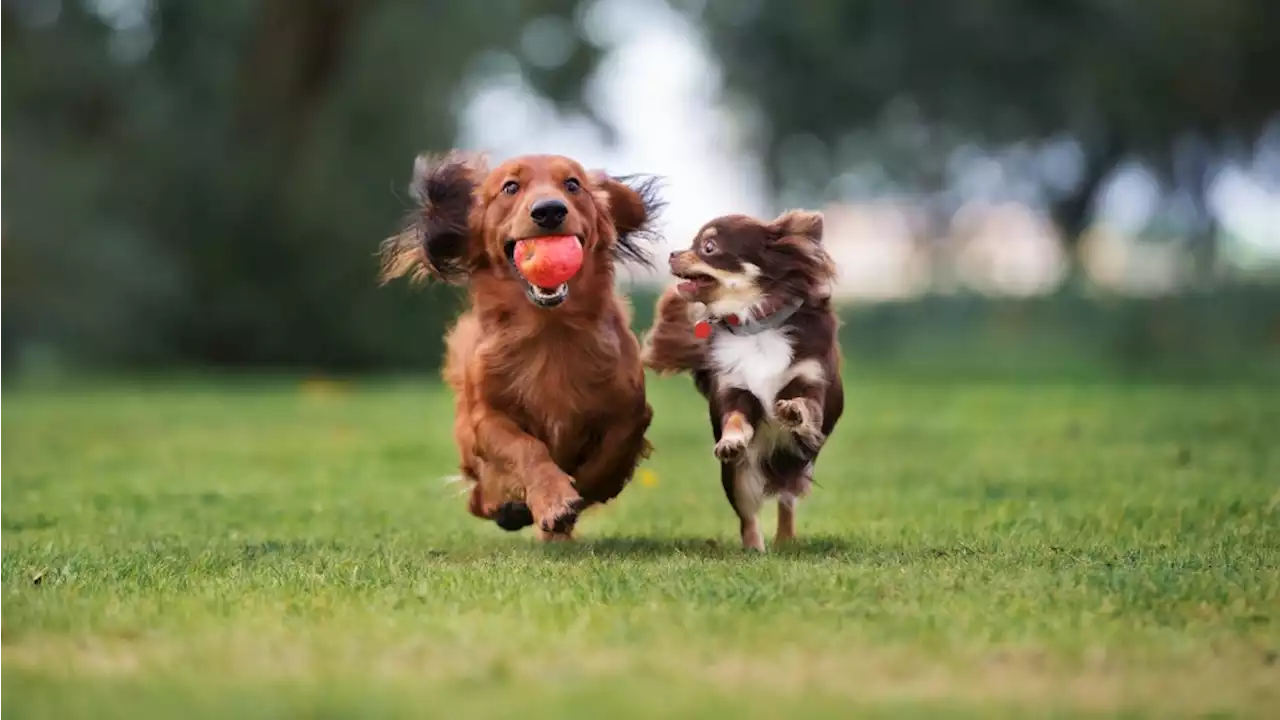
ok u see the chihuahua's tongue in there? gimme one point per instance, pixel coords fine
(687, 288)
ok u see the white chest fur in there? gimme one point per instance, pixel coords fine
(759, 363)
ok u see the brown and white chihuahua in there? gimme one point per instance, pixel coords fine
(752, 322)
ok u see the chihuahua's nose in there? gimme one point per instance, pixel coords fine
(673, 255)
(549, 214)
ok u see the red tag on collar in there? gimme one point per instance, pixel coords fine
(733, 320)
(702, 329)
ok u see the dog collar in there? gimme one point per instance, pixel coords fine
(768, 317)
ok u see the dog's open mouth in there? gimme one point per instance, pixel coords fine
(545, 297)
(691, 283)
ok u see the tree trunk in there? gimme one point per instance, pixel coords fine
(1072, 213)
(296, 51)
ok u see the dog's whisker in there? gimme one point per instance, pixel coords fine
(457, 483)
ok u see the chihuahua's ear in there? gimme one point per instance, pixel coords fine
(633, 205)
(798, 245)
(437, 240)
(799, 223)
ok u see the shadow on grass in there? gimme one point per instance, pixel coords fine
(637, 549)
(812, 548)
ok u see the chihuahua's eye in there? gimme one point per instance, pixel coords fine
(708, 246)
(572, 185)
(511, 187)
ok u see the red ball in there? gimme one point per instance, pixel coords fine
(549, 261)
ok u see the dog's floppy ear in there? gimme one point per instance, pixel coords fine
(437, 239)
(633, 204)
(799, 223)
(797, 247)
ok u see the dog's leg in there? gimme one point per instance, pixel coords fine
(621, 447)
(799, 405)
(743, 480)
(739, 412)
(554, 536)
(553, 501)
(748, 496)
(786, 518)
(548, 490)
(734, 438)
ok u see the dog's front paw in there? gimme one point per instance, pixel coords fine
(731, 449)
(560, 518)
(734, 438)
(791, 412)
(800, 416)
(553, 501)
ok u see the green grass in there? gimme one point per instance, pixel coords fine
(241, 550)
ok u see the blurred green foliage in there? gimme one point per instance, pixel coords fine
(206, 183)
(1181, 85)
(219, 199)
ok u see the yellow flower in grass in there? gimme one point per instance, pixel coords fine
(648, 478)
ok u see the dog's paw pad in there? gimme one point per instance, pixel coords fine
(731, 449)
(790, 412)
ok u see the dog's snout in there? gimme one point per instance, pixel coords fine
(549, 214)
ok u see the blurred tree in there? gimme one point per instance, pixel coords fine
(208, 182)
(1180, 84)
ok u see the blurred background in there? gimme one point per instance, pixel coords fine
(1010, 186)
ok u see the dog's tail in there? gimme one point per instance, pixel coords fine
(670, 346)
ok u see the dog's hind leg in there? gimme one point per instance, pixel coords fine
(744, 486)
(748, 497)
(793, 478)
(786, 518)
(610, 466)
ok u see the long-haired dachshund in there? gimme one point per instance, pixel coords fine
(752, 321)
(550, 410)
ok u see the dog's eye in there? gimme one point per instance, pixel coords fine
(708, 246)
(572, 185)
(511, 187)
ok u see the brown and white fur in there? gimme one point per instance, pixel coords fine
(550, 410)
(772, 379)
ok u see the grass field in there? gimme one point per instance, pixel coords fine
(270, 549)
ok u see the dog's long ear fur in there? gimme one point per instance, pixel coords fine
(799, 223)
(798, 243)
(437, 239)
(634, 204)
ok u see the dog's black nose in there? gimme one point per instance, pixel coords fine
(548, 213)
(673, 254)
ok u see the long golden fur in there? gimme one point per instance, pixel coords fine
(550, 409)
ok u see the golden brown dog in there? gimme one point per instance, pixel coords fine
(549, 388)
